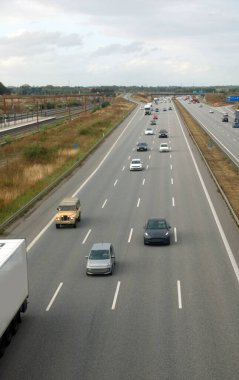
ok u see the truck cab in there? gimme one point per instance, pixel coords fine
(225, 117)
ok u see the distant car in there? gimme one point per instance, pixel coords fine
(163, 133)
(101, 259)
(157, 231)
(163, 147)
(225, 117)
(142, 146)
(155, 117)
(136, 164)
(164, 109)
(200, 105)
(211, 111)
(149, 131)
(156, 109)
(170, 108)
(153, 122)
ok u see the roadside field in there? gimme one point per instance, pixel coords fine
(30, 164)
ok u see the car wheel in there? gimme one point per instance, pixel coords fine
(8, 336)
(15, 325)
(57, 226)
(24, 307)
(2, 347)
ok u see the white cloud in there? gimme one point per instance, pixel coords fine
(140, 41)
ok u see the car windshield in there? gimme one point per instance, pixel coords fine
(66, 208)
(156, 224)
(164, 145)
(99, 254)
(135, 161)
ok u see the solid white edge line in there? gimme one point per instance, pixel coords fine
(115, 296)
(130, 235)
(219, 226)
(88, 233)
(54, 296)
(33, 242)
(179, 295)
(175, 234)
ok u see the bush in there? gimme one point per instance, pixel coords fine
(105, 104)
(85, 131)
(35, 151)
(9, 139)
(96, 108)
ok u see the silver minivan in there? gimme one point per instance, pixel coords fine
(101, 259)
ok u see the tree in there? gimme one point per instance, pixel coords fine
(4, 90)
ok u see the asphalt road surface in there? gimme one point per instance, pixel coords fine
(221, 132)
(168, 312)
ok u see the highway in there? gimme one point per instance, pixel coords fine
(221, 132)
(168, 312)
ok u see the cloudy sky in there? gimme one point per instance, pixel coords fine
(119, 42)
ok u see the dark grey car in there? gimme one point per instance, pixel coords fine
(101, 259)
(142, 146)
(157, 231)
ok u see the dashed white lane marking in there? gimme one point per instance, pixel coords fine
(86, 237)
(179, 295)
(104, 203)
(54, 296)
(116, 296)
(130, 235)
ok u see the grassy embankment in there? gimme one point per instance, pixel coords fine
(30, 164)
(225, 172)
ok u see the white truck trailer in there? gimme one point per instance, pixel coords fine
(147, 109)
(13, 288)
(236, 120)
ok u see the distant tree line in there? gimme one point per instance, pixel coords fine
(26, 89)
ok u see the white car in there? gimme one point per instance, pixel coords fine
(149, 131)
(211, 111)
(163, 147)
(136, 164)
